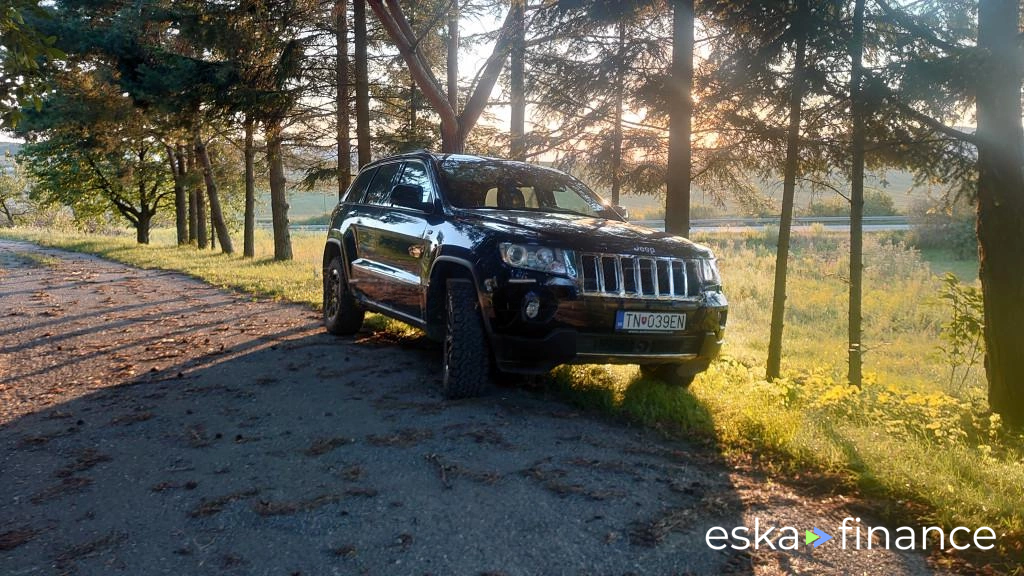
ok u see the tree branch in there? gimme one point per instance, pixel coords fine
(817, 182)
(122, 205)
(936, 125)
(482, 92)
(918, 30)
(395, 24)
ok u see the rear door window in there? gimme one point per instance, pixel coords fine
(380, 187)
(358, 188)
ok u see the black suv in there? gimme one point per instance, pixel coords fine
(517, 268)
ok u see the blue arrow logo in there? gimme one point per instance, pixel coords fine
(819, 537)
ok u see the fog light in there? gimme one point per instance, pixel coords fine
(531, 306)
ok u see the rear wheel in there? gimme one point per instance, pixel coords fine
(342, 314)
(466, 357)
(668, 373)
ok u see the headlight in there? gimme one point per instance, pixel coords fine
(554, 260)
(709, 272)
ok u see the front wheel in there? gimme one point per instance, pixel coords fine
(342, 314)
(668, 373)
(466, 357)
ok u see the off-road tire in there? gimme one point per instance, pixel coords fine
(342, 314)
(466, 357)
(668, 373)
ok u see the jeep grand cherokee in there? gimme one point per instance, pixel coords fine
(517, 268)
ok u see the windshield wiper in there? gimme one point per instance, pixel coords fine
(558, 210)
(554, 210)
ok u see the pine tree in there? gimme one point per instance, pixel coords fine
(1000, 144)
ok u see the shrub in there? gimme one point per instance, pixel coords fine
(945, 225)
(876, 203)
(962, 335)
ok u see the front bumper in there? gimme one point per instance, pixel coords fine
(569, 346)
(581, 330)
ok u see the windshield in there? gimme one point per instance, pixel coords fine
(500, 185)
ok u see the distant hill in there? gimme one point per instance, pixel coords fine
(897, 184)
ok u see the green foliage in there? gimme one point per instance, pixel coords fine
(25, 50)
(944, 224)
(13, 193)
(963, 335)
(93, 152)
(876, 203)
(949, 453)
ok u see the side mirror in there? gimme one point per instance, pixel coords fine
(621, 211)
(409, 196)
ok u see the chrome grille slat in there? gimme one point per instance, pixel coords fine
(644, 277)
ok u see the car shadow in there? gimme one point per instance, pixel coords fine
(296, 452)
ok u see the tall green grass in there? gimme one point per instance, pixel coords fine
(926, 446)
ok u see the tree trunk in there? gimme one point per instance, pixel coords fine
(343, 104)
(193, 201)
(180, 195)
(201, 237)
(249, 228)
(142, 227)
(680, 97)
(453, 140)
(142, 217)
(856, 194)
(7, 212)
(774, 369)
(453, 55)
(517, 82)
(1001, 204)
(620, 87)
(412, 110)
(216, 215)
(278, 193)
(362, 84)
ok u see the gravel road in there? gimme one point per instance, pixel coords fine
(151, 424)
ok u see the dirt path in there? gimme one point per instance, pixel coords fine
(150, 424)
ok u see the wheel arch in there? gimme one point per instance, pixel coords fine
(331, 251)
(343, 248)
(443, 269)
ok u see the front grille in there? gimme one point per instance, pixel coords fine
(638, 276)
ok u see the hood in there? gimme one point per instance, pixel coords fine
(586, 234)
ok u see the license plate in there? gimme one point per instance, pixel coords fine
(629, 321)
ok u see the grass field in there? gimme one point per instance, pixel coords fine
(925, 447)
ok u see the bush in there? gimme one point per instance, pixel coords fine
(876, 203)
(962, 335)
(941, 224)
